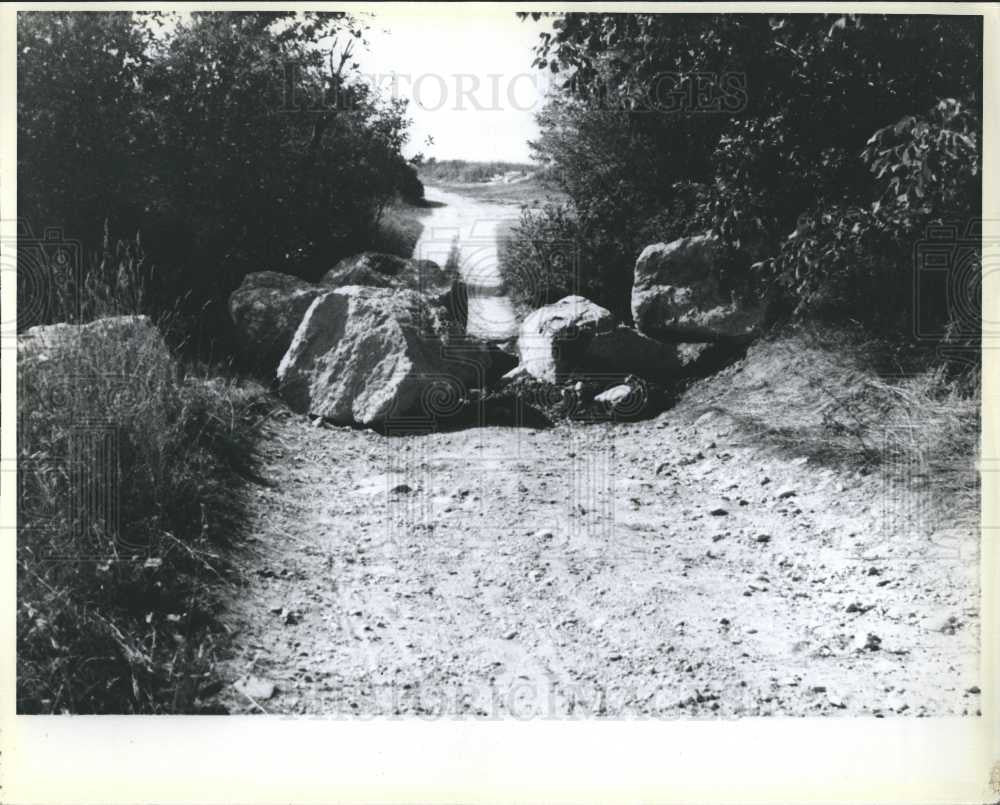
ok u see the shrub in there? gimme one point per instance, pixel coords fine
(859, 260)
(411, 189)
(397, 231)
(751, 126)
(549, 253)
(234, 141)
(535, 256)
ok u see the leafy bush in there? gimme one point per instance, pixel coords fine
(397, 231)
(550, 253)
(129, 490)
(233, 141)
(858, 261)
(411, 189)
(539, 258)
(755, 125)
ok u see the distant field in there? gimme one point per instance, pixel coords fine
(462, 171)
(531, 192)
(498, 182)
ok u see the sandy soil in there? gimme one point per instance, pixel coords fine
(669, 568)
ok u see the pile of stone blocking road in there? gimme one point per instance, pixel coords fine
(381, 339)
(378, 339)
(686, 322)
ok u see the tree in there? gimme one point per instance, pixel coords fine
(664, 125)
(235, 142)
(82, 134)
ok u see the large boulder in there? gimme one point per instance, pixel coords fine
(107, 364)
(626, 351)
(266, 310)
(376, 270)
(389, 265)
(368, 355)
(357, 273)
(679, 293)
(553, 339)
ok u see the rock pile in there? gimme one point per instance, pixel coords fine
(381, 339)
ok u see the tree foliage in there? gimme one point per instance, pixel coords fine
(234, 141)
(663, 125)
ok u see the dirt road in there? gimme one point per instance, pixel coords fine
(668, 568)
(471, 224)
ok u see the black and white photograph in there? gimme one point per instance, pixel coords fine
(485, 363)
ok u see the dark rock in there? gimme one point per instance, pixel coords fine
(501, 363)
(628, 351)
(266, 310)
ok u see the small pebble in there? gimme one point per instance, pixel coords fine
(256, 688)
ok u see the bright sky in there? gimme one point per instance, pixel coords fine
(467, 74)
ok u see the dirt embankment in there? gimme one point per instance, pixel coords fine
(695, 564)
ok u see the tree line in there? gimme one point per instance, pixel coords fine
(824, 147)
(228, 142)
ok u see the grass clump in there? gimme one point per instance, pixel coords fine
(130, 477)
(398, 230)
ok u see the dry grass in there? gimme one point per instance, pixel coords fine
(399, 229)
(130, 480)
(836, 398)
